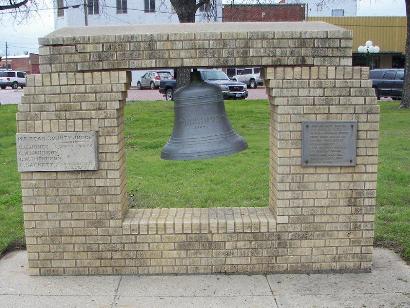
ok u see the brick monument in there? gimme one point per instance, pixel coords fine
(323, 155)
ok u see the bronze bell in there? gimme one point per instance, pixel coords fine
(201, 127)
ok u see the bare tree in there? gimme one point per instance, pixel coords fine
(186, 11)
(12, 4)
(19, 10)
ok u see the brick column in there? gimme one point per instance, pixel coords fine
(327, 212)
(70, 216)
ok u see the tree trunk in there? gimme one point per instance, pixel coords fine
(405, 100)
(186, 10)
(183, 76)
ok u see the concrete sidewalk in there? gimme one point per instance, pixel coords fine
(387, 286)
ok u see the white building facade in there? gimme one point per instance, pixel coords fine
(68, 13)
(324, 8)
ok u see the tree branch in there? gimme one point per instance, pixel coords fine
(13, 5)
(201, 3)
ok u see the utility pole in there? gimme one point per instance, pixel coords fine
(85, 13)
(7, 67)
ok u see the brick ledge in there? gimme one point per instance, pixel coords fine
(199, 220)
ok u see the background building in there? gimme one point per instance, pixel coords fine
(389, 33)
(328, 7)
(27, 63)
(123, 12)
(263, 12)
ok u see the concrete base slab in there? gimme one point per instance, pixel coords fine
(388, 285)
(13, 301)
(195, 285)
(197, 301)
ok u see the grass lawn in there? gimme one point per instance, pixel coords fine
(11, 214)
(238, 180)
(393, 189)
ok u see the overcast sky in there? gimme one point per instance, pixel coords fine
(23, 37)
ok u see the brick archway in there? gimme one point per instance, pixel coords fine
(319, 218)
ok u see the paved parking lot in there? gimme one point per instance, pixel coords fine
(10, 96)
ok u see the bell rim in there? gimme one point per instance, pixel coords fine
(243, 145)
(202, 139)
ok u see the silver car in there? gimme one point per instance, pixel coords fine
(151, 79)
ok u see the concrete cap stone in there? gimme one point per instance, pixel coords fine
(190, 31)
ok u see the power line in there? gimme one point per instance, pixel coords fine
(25, 47)
(141, 10)
(27, 11)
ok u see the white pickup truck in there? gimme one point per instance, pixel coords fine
(249, 76)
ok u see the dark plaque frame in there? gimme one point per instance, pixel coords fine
(329, 143)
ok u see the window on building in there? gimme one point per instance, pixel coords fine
(121, 6)
(149, 6)
(60, 10)
(338, 12)
(93, 7)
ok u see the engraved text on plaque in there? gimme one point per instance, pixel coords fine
(329, 143)
(68, 151)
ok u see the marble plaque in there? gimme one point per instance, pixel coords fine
(329, 143)
(68, 151)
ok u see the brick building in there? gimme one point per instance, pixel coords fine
(263, 12)
(27, 63)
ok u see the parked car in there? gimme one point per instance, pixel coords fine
(249, 76)
(167, 87)
(13, 79)
(388, 82)
(152, 79)
(230, 88)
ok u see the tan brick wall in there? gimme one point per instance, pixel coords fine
(318, 219)
(327, 212)
(66, 213)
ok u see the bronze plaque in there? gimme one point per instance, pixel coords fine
(329, 143)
